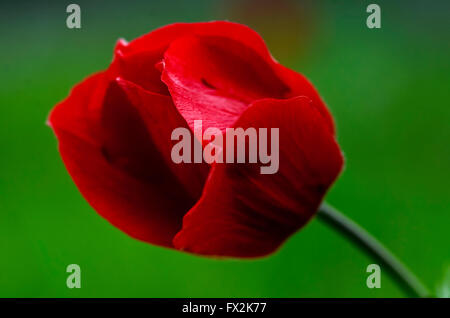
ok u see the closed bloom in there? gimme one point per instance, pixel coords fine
(114, 132)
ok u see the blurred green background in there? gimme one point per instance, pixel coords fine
(388, 89)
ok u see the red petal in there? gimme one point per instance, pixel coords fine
(215, 72)
(300, 86)
(115, 158)
(215, 78)
(138, 67)
(243, 213)
(160, 39)
(161, 118)
(139, 56)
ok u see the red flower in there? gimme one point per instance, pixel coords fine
(114, 133)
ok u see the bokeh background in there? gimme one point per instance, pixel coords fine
(388, 89)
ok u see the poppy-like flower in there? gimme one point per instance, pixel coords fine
(114, 132)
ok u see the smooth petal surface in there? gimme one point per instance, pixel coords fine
(213, 70)
(138, 67)
(115, 156)
(215, 78)
(161, 118)
(160, 39)
(243, 213)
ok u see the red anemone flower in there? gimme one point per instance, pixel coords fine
(114, 132)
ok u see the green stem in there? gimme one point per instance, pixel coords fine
(407, 280)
